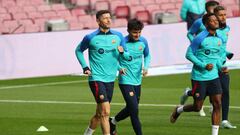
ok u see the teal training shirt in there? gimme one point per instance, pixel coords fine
(103, 54)
(195, 29)
(223, 32)
(138, 50)
(193, 6)
(205, 49)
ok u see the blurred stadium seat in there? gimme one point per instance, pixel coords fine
(102, 5)
(122, 12)
(116, 3)
(144, 16)
(80, 14)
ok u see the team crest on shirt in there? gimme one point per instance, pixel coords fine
(140, 48)
(219, 43)
(113, 41)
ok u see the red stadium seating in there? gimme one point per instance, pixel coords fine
(115, 3)
(84, 4)
(75, 26)
(49, 14)
(43, 8)
(3, 10)
(5, 16)
(121, 22)
(29, 9)
(58, 7)
(135, 9)
(18, 16)
(64, 13)
(35, 15)
(236, 13)
(77, 12)
(144, 16)
(145, 2)
(15, 9)
(8, 3)
(152, 7)
(102, 5)
(133, 2)
(32, 28)
(81, 13)
(41, 23)
(122, 12)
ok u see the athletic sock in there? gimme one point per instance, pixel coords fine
(89, 131)
(180, 109)
(215, 129)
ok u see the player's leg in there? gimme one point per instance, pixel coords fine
(224, 78)
(105, 95)
(188, 92)
(215, 94)
(96, 118)
(199, 94)
(121, 115)
(102, 93)
(93, 122)
(216, 102)
(133, 101)
(104, 119)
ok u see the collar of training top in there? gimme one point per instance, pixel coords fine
(99, 32)
(128, 39)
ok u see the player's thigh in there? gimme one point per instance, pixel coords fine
(109, 90)
(199, 90)
(128, 93)
(99, 91)
(214, 87)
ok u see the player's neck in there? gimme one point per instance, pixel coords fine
(104, 30)
(212, 32)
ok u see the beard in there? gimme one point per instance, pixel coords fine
(104, 26)
(222, 25)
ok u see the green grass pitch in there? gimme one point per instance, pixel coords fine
(64, 105)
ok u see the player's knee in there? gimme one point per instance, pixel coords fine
(105, 113)
(217, 105)
(97, 116)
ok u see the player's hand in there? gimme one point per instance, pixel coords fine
(225, 70)
(88, 73)
(230, 55)
(209, 67)
(120, 49)
(123, 71)
(144, 72)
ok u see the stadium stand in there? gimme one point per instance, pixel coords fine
(80, 14)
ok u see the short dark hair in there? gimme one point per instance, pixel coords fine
(218, 8)
(211, 3)
(101, 12)
(135, 24)
(206, 17)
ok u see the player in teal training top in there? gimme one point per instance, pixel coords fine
(194, 30)
(198, 26)
(223, 31)
(191, 10)
(131, 78)
(105, 46)
(204, 53)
